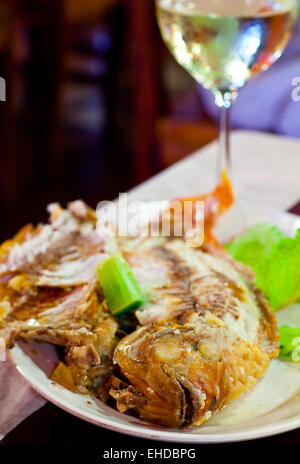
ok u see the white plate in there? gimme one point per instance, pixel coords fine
(272, 407)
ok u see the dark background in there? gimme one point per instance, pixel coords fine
(95, 104)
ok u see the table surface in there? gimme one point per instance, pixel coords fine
(267, 169)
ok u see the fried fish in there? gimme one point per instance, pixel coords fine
(207, 334)
(204, 335)
(49, 291)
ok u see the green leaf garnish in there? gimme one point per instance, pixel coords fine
(255, 245)
(289, 343)
(279, 274)
(274, 258)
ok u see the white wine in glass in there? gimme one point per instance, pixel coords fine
(223, 43)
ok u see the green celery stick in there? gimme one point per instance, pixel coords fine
(120, 288)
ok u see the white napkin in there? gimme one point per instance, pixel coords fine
(17, 399)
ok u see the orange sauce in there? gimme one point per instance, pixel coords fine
(215, 203)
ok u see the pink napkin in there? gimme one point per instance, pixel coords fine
(17, 399)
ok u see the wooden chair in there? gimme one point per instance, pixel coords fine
(59, 21)
(51, 26)
(158, 141)
(145, 85)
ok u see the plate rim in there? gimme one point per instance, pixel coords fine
(159, 435)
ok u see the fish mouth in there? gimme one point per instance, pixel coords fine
(160, 411)
(191, 404)
(170, 398)
(191, 409)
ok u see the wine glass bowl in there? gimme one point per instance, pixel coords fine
(224, 43)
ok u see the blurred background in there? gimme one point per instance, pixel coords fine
(96, 104)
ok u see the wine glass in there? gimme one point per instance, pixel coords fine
(223, 43)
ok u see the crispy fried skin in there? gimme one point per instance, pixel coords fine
(208, 334)
(49, 291)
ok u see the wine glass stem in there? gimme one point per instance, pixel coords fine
(224, 161)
